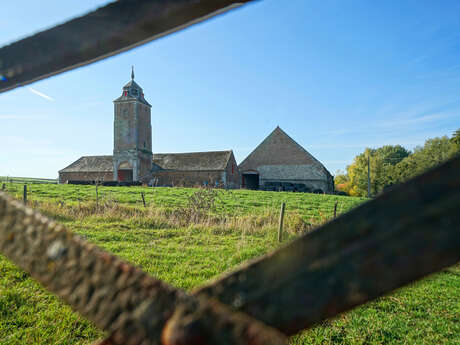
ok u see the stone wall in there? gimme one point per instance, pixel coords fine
(124, 127)
(144, 127)
(232, 174)
(188, 178)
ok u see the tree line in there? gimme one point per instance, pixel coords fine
(393, 164)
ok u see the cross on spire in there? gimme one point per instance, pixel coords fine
(132, 72)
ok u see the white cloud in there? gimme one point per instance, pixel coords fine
(416, 120)
(38, 93)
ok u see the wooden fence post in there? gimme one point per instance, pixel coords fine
(97, 199)
(280, 228)
(335, 208)
(25, 194)
(143, 198)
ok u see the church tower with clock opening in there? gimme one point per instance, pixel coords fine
(132, 147)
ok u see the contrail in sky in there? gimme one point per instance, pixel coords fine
(41, 94)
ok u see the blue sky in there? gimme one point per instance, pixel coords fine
(337, 76)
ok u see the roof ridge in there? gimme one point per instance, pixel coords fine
(179, 153)
(84, 160)
(71, 164)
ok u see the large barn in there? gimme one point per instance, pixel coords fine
(280, 163)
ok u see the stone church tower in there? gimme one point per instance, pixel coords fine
(132, 147)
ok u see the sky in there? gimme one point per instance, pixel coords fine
(337, 76)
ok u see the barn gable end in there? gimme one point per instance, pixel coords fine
(279, 162)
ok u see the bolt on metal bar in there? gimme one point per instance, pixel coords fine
(112, 29)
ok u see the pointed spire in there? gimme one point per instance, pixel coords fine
(132, 72)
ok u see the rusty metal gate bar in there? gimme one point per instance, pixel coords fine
(112, 29)
(397, 238)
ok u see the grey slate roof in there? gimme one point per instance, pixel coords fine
(91, 164)
(193, 161)
(132, 91)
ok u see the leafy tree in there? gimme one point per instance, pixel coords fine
(382, 162)
(392, 164)
(342, 182)
(434, 152)
(455, 141)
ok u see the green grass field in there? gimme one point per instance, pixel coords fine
(163, 240)
(7, 179)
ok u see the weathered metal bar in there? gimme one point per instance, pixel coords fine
(114, 28)
(134, 307)
(395, 239)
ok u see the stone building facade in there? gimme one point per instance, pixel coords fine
(132, 137)
(280, 161)
(214, 168)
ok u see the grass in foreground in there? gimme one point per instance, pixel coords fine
(427, 312)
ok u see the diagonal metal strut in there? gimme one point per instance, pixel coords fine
(114, 28)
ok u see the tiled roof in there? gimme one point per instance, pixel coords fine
(279, 149)
(193, 161)
(91, 164)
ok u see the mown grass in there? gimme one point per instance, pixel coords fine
(242, 226)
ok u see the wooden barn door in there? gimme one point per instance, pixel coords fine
(125, 175)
